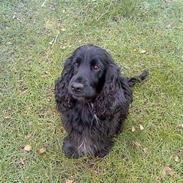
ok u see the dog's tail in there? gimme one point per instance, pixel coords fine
(131, 81)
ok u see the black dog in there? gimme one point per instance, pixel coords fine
(93, 100)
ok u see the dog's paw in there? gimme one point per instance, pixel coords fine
(69, 150)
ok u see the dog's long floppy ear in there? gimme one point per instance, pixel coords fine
(115, 95)
(62, 97)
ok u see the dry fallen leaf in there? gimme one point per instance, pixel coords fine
(41, 150)
(176, 158)
(142, 51)
(7, 117)
(133, 129)
(141, 127)
(27, 148)
(69, 181)
(51, 42)
(62, 130)
(180, 126)
(167, 171)
(63, 47)
(62, 29)
(28, 136)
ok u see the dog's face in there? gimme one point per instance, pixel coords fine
(89, 72)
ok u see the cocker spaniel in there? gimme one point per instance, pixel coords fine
(93, 100)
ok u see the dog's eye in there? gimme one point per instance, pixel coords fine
(95, 67)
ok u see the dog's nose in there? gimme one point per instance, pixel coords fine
(77, 87)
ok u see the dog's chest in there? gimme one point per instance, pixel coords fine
(81, 125)
(84, 115)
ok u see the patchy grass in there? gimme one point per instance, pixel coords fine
(35, 40)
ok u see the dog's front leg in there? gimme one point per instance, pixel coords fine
(69, 149)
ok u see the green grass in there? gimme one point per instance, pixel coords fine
(30, 64)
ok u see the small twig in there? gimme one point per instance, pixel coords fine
(54, 40)
(43, 3)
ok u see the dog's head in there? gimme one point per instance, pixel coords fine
(90, 75)
(91, 68)
(90, 64)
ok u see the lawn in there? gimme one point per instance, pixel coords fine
(36, 37)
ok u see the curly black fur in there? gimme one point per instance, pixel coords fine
(93, 99)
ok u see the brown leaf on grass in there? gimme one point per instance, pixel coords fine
(167, 171)
(63, 29)
(68, 181)
(7, 117)
(63, 47)
(145, 150)
(141, 127)
(41, 150)
(142, 51)
(28, 136)
(176, 158)
(180, 126)
(51, 42)
(133, 129)
(27, 148)
(60, 130)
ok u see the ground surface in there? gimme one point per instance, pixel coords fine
(36, 36)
